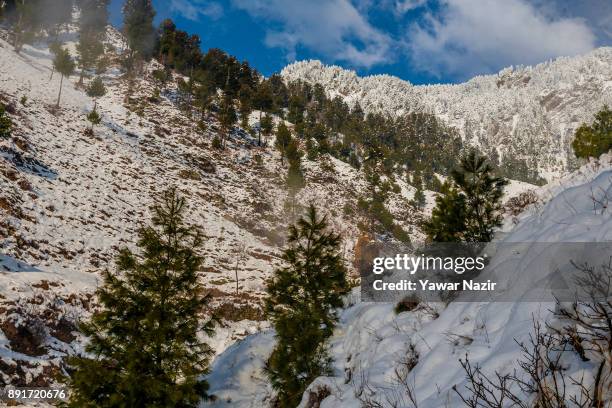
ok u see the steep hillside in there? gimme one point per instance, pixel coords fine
(69, 201)
(524, 114)
(381, 356)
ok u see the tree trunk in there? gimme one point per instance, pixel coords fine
(59, 96)
(259, 131)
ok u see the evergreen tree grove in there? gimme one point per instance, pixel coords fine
(144, 350)
(469, 208)
(595, 139)
(301, 303)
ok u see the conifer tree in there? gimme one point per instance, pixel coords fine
(94, 118)
(245, 96)
(267, 125)
(138, 18)
(6, 124)
(90, 48)
(262, 101)
(96, 89)
(143, 348)
(301, 304)
(295, 177)
(595, 139)
(469, 208)
(283, 138)
(63, 64)
(27, 22)
(227, 116)
(94, 16)
(419, 198)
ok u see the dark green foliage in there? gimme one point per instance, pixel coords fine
(595, 139)
(295, 177)
(143, 345)
(90, 48)
(373, 208)
(161, 76)
(245, 96)
(469, 208)
(26, 22)
(6, 124)
(177, 49)
(301, 304)
(216, 142)
(262, 101)
(64, 64)
(267, 125)
(419, 199)
(138, 27)
(227, 116)
(94, 16)
(96, 89)
(283, 138)
(94, 118)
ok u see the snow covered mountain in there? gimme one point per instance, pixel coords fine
(70, 200)
(522, 113)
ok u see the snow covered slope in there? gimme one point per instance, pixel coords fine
(69, 201)
(522, 112)
(372, 343)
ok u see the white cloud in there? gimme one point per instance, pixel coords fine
(195, 9)
(333, 28)
(403, 6)
(467, 37)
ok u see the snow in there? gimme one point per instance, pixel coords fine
(524, 112)
(371, 341)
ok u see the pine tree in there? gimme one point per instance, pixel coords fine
(295, 177)
(90, 48)
(63, 64)
(267, 125)
(27, 22)
(96, 89)
(301, 304)
(595, 139)
(283, 138)
(138, 18)
(6, 124)
(245, 96)
(227, 116)
(262, 101)
(469, 209)
(143, 348)
(94, 118)
(94, 16)
(419, 199)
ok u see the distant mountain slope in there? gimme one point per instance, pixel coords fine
(527, 113)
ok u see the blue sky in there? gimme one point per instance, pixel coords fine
(422, 41)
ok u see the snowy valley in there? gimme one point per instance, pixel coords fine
(69, 200)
